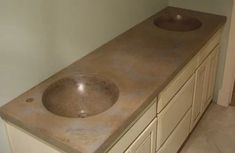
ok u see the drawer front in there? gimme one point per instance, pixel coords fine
(177, 138)
(211, 44)
(132, 134)
(176, 84)
(174, 112)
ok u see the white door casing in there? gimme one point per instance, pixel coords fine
(225, 93)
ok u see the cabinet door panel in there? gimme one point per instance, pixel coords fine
(205, 85)
(200, 90)
(212, 73)
(146, 142)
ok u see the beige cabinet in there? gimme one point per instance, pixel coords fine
(146, 142)
(181, 95)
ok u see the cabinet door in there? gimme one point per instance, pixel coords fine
(200, 92)
(146, 142)
(212, 74)
(209, 84)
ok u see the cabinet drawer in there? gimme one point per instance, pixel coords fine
(177, 138)
(210, 45)
(137, 128)
(174, 112)
(174, 86)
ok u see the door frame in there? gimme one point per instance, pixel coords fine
(225, 93)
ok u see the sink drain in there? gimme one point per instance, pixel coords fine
(82, 114)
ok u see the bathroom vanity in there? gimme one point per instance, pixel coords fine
(143, 92)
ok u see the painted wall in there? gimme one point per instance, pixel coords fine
(221, 7)
(24, 44)
(40, 37)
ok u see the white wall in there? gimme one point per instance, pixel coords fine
(221, 7)
(40, 37)
(82, 26)
(24, 44)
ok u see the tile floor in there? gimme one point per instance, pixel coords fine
(215, 133)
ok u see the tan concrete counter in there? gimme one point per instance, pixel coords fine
(141, 62)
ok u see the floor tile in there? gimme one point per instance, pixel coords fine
(215, 133)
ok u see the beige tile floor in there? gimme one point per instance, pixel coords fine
(215, 133)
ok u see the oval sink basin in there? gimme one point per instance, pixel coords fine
(80, 97)
(177, 22)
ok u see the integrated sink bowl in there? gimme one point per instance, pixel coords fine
(80, 97)
(177, 22)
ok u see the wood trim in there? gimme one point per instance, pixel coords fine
(225, 93)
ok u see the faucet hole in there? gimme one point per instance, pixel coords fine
(29, 100)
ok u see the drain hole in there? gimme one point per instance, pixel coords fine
(83, 114)
(29, 100)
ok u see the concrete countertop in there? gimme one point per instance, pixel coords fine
(141, 62)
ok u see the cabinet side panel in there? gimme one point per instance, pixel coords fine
(23, 143)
